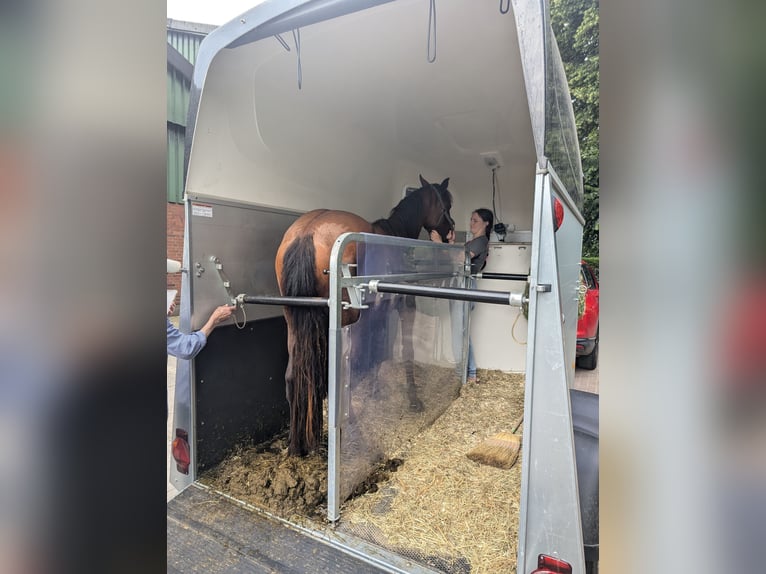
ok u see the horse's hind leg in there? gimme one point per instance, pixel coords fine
(407, 318)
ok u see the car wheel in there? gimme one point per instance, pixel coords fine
(589, 361)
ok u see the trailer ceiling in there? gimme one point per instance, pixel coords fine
(371, 112)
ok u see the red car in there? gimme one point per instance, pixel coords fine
(587, 324)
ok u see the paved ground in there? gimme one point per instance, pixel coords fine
(584, 381)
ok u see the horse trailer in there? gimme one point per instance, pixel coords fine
(343, 104)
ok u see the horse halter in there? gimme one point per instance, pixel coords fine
(445, 211)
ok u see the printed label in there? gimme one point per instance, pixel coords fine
(202, 210)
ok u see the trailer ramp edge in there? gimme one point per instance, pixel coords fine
(214, 533)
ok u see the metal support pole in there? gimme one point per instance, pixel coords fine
(455, 293)
(504, 276)
(289, 301)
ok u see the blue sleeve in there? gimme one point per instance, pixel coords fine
(184, 346)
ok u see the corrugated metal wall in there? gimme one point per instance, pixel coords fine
(175, 164)
(187, 43)
(178, 97)
(178, 104)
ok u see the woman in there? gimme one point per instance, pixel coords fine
(478, 249)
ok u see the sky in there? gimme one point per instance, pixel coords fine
(215, 12)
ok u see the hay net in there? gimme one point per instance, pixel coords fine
(402, 362)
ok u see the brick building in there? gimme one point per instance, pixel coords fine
(184, 39)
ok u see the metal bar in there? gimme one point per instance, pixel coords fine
(336, 390)
(404, 277)
(505, 276)
(521, 553)
(290, 301)
(455, 293)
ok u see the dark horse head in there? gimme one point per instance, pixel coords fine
(427, 207)
(438, 206)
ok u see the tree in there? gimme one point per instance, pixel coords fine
(575, 24)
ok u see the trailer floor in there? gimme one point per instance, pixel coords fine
(209, 533)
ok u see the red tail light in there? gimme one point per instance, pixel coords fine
(550, 565)
(558, 214)
(181, 452)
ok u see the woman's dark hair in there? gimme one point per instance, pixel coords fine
(486, 215)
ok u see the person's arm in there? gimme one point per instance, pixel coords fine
(473, 247)
(478, 245)
(220, 314)
(435, 237)
(188, 346)
(184, 346)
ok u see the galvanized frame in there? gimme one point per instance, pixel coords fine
(549, 511)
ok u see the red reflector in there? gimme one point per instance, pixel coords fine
(181, 452)
(550, 565)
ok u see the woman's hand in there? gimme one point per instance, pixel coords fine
(222, 313)
(436, 238)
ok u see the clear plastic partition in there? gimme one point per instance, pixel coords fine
(402, 361)
(550, 105)
(561, 145)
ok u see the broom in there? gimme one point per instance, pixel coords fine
(500, 450)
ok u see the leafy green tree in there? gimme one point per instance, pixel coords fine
(575, 24)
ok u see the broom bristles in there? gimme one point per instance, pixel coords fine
(500, 451)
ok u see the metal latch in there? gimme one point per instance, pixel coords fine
(355, 292)
(224, 279)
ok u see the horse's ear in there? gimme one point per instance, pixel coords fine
(423, 182)
(444, 184)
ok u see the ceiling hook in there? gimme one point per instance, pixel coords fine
(297, 39)
(431, 27)
(281, 40)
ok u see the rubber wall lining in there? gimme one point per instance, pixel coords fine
(240, 388)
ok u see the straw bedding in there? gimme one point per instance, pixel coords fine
(427, 501)
(441, 503)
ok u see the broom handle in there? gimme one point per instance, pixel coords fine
(517, 423)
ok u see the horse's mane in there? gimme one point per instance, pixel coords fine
(406, 218)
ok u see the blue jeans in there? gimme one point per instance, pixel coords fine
(457, 333)
(471, 361)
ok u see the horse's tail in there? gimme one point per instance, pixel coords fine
(307, 377)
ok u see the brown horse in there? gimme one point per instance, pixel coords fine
(302, 257)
